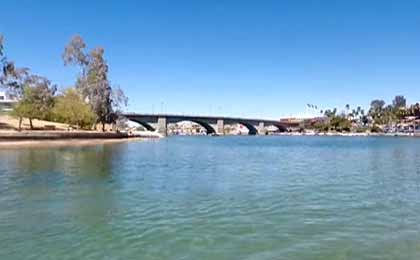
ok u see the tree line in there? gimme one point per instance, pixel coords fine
(93, 100)
(379, 114)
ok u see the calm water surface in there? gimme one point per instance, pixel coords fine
(213, 198)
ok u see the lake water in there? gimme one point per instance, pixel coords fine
(213, 198)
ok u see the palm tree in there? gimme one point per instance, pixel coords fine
(363, 118)
(347, 109)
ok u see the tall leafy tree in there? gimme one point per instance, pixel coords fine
(399, 102)
(389, 115)
(377, 105)
(376, 111)
(92, 81)
(399, 107)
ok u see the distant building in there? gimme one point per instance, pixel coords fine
(6, 101)
(294, 122)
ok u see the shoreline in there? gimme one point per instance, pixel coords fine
(64, 142)
(11, 135)
(25, 139)
(10, 139)
(58, 135)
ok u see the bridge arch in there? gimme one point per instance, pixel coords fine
(209, 129)
(144, 124)
(280, 127)
(252, 130)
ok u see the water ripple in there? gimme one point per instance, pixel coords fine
(214, 198)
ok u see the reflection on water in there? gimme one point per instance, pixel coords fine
(213, 198)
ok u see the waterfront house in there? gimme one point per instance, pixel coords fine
(6, 101)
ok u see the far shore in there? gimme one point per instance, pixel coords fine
(351, 134)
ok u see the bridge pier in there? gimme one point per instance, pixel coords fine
(261, 129)
(162, 126)
(220, 127)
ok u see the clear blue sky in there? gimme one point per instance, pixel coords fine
(245, 58)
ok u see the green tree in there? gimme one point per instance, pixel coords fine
(70, 108)
(389, 114)
(399, 102)
(376, 111)
(340, 123)
(377, 105)
(36, 101)
(399, 107)
(337, 122)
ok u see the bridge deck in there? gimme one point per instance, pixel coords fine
(202, 117)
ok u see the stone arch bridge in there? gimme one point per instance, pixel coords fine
(212, 124)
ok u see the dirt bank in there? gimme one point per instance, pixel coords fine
(66, 142)
(56, 135)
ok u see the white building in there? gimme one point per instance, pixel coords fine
(6, 101)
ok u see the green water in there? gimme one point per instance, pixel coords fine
(213, 198)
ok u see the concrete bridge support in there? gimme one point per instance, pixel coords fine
(261, 129)
(162, 126)
(220, 127)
